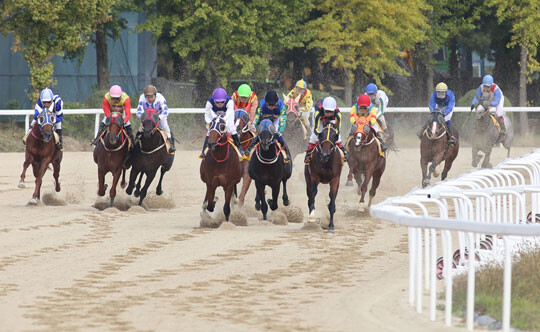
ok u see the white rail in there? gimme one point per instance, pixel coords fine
(97, 111)
(479, 205)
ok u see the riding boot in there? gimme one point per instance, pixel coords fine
(381, 141)
(342, 148)
(171, 140)
(100, 131)
(205, 145)
(309, 151)
(129, 131)
(287, 152)
(59, 146)
(503, 126)
(236, 141)
(452, 138)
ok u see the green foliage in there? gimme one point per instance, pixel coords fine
(366, 34)
(45, 29)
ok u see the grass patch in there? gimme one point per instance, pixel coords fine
(525, 313)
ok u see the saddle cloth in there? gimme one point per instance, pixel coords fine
(381, 153)
(495, 122)
(231, 142)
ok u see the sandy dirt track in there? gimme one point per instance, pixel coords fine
(73, 267)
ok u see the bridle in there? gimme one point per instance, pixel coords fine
(218, 125)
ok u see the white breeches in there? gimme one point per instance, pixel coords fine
(499, 108)
(305, 115)
(448, 116)
(164, 125)
(383, 121)
(313, 139)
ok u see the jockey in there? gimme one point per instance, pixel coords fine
(153, 99)
(246, 99)
(221, 104)
(119, 102)
(442, 100)
(495, 96)
(48, 100)
(272, 108)
(305, 102)
(325, 110)
(365, 109)
(380, 100)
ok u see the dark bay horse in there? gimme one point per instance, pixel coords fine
(40, 152)
(220, 167)
(365, 160)
(296, 132)
(486, 134)
(110, 153)
(324, 167)
(267, 167)
(434, 148)
(241, 119)
(149, 154)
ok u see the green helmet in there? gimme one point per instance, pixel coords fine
(244, 90)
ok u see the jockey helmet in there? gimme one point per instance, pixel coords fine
(46, 95)
(244, 90)
(150, 90)
(271, 97)
(329, 104)
(441, 87)
(488, 80)
(363, 100)
(301, 84)
(220, 95)
(371, 88)
(115, 91)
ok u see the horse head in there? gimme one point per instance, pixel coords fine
(150, 122)
(217, 132)
(292, 107)
(266, 133)
(45, 121)
(482, 109)
(437, 123)
(241, 119)
(327, 142)
(362, 131)
(114, 124)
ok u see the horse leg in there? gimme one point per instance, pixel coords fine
(349, 182)
(375, 184)
(275, 195)
(56, 174)
(101, 181)
(149, 178)
(312, 193)
(138, 186)
(334, 186)
(27, 161)
(286, 201)
(39, 171)
(132, 179)
(159, 189)
(227, 206)
(475, 157)
(486, 163)
(123, 183)
(112, 191)
(246, 181)
(261, 199)
(364, 187)
(210, 194)
(257, 199)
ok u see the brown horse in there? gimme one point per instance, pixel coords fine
(365, 160)
(110, 154)
(296, 131)
(220, 167)
(324, 167)
(246, 135)
(40, 152)
(434, 148)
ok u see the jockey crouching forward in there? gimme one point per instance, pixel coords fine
(220, 104)
(116, 101)
(247, 100)
(272, 108)
(442, 100)
(153, 99)
(364, 109)
(305, 103)
(493, 93)
(326, 111)
(53, 103)
(379, 99)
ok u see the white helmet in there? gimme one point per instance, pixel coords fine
(46, 95)
(329, 104)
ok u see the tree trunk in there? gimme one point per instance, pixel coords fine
(348, 88)
(453, 81)
(102, 58)
(523, 121)
(429, 77)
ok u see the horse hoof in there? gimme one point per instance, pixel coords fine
(21, 185)
(362, 207)
(159, 192)
(137, 193)
(286, 202)
(33, 201)
(258, 206)
(235, 200)
(349, 184)
(312, 217)
(123, 185)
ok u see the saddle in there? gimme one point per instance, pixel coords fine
(495, 122)
(130, 143)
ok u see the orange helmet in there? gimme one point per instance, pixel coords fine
(363, 100)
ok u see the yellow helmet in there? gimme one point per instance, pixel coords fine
(441, 87)
(301, 84)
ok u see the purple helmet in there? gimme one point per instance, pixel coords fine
(219, 95)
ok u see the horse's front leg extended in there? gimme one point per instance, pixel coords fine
(352, 166)
(227, 206)
(246, 181)
(56, 174)
(101, 181)
(486, 163)
(149, 178)
(159, 189)
(334, 186)
(260, 197)
(312, 193)
(112, 191)
(286, 201)
(423, 167)
(39, 171)
(275, 196)
(132, 178)
(475, 156)
(210, 195)
(27, 161)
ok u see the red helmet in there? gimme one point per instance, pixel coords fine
(363, 100)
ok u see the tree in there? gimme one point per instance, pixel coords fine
(366, 35)
(221, 40)
(45, 29)
(524, 16)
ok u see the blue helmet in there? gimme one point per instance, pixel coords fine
(488, 80)
(46, 95)
(371, 88)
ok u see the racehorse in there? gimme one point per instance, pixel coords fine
(40, 152)
(486, 134)
(267, 167)
(220, 167)
(365, 159)
(324, 167)
(149, 154)
(434, 148)
(294, 127)
(246, 136)
(110, 153)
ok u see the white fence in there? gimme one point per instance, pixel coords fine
(97, 111)
(488, 209)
